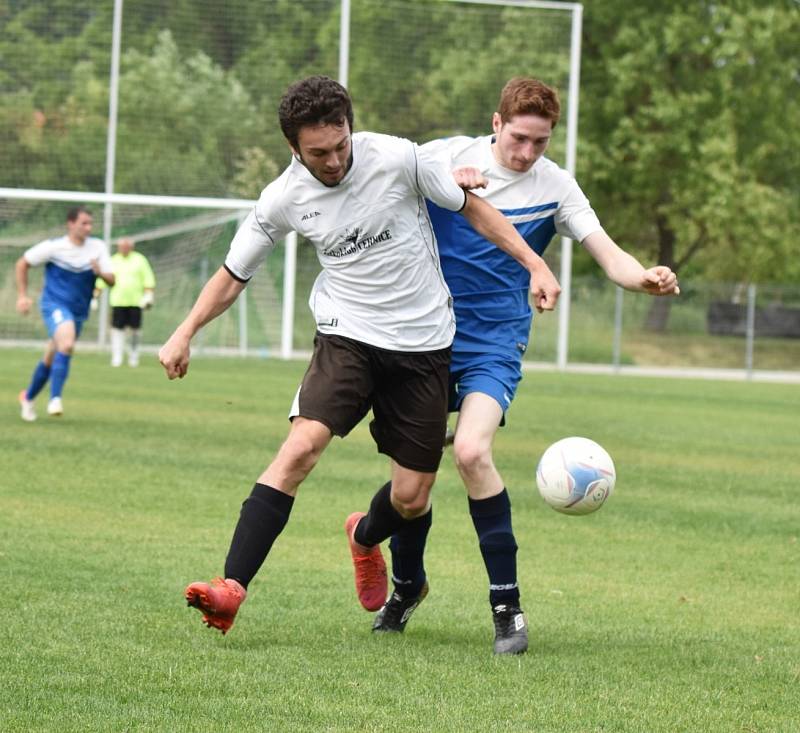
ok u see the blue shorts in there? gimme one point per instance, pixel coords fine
(490, 374)
(54, 315)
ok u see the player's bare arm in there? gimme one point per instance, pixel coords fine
(24, 301)
(215, 298)
(626, 271)
(490, 223)
(107, 277)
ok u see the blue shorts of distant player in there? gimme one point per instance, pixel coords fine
(54, 315)
(491, 374)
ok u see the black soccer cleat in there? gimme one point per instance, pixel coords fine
(510, 630)
(395, 613)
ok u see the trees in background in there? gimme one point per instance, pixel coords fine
(688, 110)
(686, 138)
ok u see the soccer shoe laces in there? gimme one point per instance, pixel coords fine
(369, 568)
(370, 571)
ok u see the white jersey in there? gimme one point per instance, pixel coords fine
(381, 281)
(545, 191)
(69, 278)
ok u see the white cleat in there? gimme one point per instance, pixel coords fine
(55, 408)
(26, 411)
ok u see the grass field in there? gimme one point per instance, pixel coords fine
(674, 608)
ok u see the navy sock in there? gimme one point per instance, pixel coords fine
(408, 547)
(382, 520)
(264, 515)
(492, 520)
(39, 378)
(59, 373)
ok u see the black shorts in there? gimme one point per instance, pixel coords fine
(126, 316)
(407, 391)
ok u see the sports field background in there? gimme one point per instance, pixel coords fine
(674, 608)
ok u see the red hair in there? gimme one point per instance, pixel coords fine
(526, 96)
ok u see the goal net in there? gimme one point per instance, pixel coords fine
(184, 246)
(197, 87)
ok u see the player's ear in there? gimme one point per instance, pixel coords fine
(497, 122)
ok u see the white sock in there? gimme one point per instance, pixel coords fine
(133, 349)
(117, 346)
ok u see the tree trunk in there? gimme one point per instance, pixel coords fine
(658, 313)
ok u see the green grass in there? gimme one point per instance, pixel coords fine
(674, 608)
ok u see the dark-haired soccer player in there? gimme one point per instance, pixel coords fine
(493, 318)
(72, 263)
(384, 328)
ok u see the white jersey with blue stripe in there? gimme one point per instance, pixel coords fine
(490, 289)
(69, 278)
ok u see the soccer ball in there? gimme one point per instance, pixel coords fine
(575, 476)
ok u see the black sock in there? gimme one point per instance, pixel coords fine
(492, 520)
(382, 520)
(264, 515)
(408, 547)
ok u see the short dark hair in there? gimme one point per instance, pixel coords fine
(527, 96)
(316, 100)
(76, 211)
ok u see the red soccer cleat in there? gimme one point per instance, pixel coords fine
(370, 569)
(218, 602)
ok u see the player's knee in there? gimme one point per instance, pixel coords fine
(412, 499)
(300, 453)
(410, 507)
(64, 343)
(472, 457)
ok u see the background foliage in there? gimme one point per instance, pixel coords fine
(686, 118)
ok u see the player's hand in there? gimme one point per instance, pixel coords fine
(146, 300)
(24, 303)
(660, 280)
(544, 288)
(174, 356)
(94, 304)
(469, 178)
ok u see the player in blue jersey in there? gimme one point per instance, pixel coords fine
(493, 318)
(72, 263)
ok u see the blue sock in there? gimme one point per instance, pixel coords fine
(408, 547)
(40, 376)
(59, 373)
(492, 520)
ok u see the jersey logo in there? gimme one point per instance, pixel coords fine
(352, 238)
(352, 242)
(310, 215)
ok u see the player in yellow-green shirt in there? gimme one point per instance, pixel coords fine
(132, 293)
